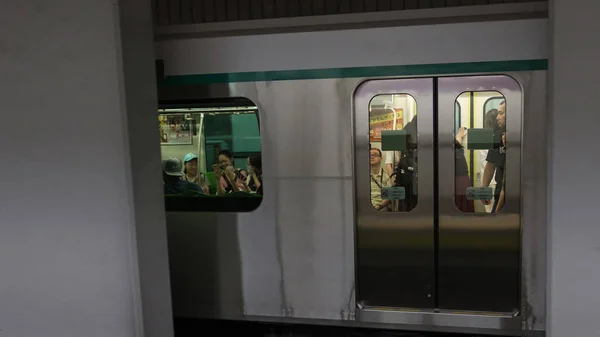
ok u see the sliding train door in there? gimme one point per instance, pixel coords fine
(395, 250)
(437, 186)
(479, 246)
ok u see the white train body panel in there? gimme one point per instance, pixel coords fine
(294, 258)
(409, 45)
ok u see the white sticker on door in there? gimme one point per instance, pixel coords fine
(479, 193)
(393, 193)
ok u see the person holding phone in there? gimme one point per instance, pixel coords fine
(231, 179)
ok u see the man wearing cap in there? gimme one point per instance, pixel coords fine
(190, 169)
(173, 175)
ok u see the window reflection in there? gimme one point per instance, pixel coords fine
(393, 152)
(211, 158)
(480, 152)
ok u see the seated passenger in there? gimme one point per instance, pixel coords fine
(228, 174)
(253, 183)
(379, 180)
(190, 168)
(172, 178)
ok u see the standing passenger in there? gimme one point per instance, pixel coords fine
(407, 171)
(496, 158)
(462, 181)
(501, 198)
(391, 162)
(488, 123)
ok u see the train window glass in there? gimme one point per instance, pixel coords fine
(492, 102)
(479, 140)
(211, 157)
(457, 116)
(393, 152)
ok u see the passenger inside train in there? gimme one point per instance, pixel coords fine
(231, 178)
(462, 180)
(480, 124)
(393, 113)
(379, 180)
(480, 151)
(501, 195)
(406, 172)
(215, 149)
(253, 183)
(190, 169)
(173, 178)
(496, 159)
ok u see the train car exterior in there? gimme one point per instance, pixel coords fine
(315, 250)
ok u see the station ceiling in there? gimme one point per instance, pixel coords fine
(184, 12)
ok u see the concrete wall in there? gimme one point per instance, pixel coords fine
(71, 207)
(574, 184)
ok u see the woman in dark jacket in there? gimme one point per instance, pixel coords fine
(407, 169)
(462, 181)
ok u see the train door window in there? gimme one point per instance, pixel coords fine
(211, 156)
(457, 116)
(492, 102)
(392, 155)
(479, 142)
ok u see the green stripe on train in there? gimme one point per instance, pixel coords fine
(361, 72)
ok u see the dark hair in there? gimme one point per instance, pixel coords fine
(226, 153)
(256, 162)
(376, 149)
(411, 132)
(489, 121)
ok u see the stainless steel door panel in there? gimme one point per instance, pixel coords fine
(395, 249)
(479, 253)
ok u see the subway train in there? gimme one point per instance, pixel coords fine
(316, 108)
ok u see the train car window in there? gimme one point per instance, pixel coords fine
(211, 156)
(492, 103)
(393, 152)
(457, 116)
(479, 140)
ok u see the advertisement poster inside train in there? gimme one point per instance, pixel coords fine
(175, 130)
(383, 119)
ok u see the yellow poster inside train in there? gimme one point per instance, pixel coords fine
(384, 119)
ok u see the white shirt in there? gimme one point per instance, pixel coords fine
(392, 157)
